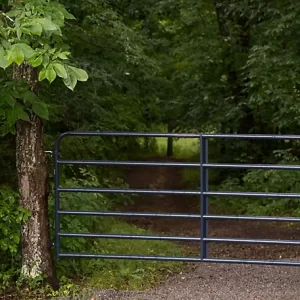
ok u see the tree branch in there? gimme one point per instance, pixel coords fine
(7, 17)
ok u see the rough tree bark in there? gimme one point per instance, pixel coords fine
(236, 78)
(170, 151)
(34, 189)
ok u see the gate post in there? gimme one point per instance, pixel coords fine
(56, 197)
(203, 196)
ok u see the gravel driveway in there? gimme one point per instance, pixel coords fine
(222, 282)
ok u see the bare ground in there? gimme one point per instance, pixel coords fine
(212, 281)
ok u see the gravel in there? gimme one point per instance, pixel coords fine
(221, 282)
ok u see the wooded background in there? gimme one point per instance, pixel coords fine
(229, 66)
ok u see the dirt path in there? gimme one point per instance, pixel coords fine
(170, 178)
(212, 281)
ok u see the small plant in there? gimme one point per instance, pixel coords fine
(11, 218)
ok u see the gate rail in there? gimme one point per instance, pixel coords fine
(203, 194)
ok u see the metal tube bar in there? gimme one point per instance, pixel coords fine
(128, 214)
(57, 201)
(253, 166)
(203, 197)
(185, 259)
(179, 238)
(128, 163)
(183, 135)
(131, 134)
(126, 134)
(126, 191)
(133, 257)
(252, 136)
(254, 194)
(254, 241)
(290, 263)
(252, 218)
(130, 236)
(171, 215)
(176, 192)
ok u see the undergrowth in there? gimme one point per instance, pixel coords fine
(265, 181)
(73, 273)
(129, 274)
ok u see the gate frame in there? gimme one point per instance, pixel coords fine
(203, 192)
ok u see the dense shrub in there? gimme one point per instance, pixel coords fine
(269, 181)
(11, 218)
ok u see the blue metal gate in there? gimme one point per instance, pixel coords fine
(203, 165)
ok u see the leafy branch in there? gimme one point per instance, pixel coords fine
(34, 38)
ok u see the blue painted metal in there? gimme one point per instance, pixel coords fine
(57, 200)
(203, 193)
(203, 197)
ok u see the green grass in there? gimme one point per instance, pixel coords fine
(183, 148)
(128, 274)
(134, 274)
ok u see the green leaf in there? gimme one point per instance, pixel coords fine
(50, 74)
(35, 62)
(57, 32)
(42, 74)
(67, 15)
(2, 31)
(3, 60)
(32, 28)
(46, 24)
(12, 116)
(45, 60)
(11, 101)
(60, 70)
(71, 81)
(6, 44)
(3, 63)
(13, 13)
(4, 246)
(27, 50)
(41, 110)
(47, 73)
(63, 55)
(22, 115)
(16, 238)
(2, 102)
(5, 129)
(80, 74)
(16, 113)
(19, 33)
(16, 55)
(30, 97)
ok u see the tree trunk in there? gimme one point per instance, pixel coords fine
(170, 141)
(34, 190)
(236, 78)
